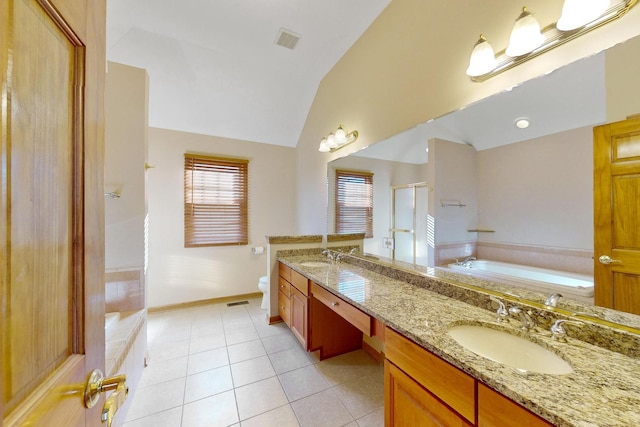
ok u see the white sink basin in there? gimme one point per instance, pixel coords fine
(314, 264)
(513, 351)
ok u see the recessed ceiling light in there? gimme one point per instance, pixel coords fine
(522, 123)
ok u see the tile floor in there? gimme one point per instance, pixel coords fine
(224, 366)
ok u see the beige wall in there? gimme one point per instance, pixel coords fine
(453, 172)
(409, 66)
(126, 107)
(539, 192)
(177, 274)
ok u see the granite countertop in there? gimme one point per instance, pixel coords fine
(603, 389)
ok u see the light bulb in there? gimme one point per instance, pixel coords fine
(341, 135)
(483, 59)
(525, 36)
(578, 13)
(331, 141)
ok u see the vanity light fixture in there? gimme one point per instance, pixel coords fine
(528, 41)
(338, 139)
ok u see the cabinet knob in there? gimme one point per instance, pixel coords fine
(333, 304)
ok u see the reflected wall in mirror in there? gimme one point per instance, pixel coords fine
(525, 195)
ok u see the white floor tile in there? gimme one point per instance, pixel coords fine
(208, 383)
(206, 360)
(199, 354)
(361, 396)
(207, 342)
(276, 343)
(374, 419)
(170, 418)
(239, 335)
(288, 360)
(259, 397)
(251, 370)
(156, 398)
(302, 382)
(218, 410)
(245, 351)
(160, 371)
(322, 409)
(279, 417)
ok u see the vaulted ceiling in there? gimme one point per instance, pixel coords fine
(215, 68)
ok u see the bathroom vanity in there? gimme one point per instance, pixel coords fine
(431, 379)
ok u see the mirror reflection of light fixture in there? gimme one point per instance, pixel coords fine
(338, 139)
(578, 17)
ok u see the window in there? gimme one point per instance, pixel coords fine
(354, 202)
(215, 201)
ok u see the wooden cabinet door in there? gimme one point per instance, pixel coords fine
(299, 318)
(51, 209)
(284, 307)
(616, 156)
(407, 404)
(496, 410)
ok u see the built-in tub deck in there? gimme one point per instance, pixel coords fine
(121, 332)
(570, 285)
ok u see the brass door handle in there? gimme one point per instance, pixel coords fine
(98, 384)
(606, 259)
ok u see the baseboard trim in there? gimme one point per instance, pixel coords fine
(198, 303)
(275, 319)
(375, 354)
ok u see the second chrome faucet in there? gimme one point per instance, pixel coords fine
(503, 314)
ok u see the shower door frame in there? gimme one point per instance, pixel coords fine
(393, 230)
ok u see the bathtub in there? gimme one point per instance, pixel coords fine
(110, 320)
(570, 285)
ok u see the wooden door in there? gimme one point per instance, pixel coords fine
(51, 209)
(616, 156)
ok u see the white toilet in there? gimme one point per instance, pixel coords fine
(263, 285)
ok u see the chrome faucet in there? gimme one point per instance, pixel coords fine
(329, 255)
(353, 251)
(501, 312)
(552, 300)
(525, 318)
(466, 262)
(558, 332)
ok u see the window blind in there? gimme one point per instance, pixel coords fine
(215, 201)
(354, 202)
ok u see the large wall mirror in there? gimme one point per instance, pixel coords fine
(499, 190)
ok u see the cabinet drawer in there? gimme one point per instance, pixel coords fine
(448, 383)
(284, 287)
(300, 282)
(284, 271)
(496, 410)
(357, 318)
(284, 308)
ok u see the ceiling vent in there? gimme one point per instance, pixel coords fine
(287, 38)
